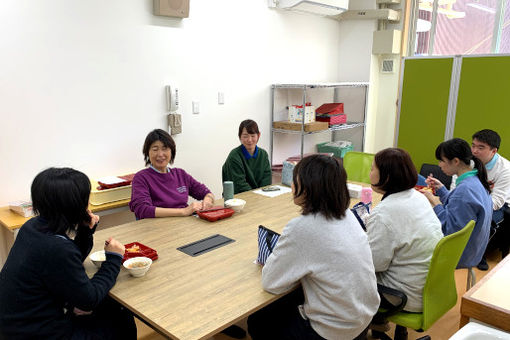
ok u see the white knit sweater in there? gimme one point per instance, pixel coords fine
(403, 231)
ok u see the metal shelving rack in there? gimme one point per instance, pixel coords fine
(304, 88)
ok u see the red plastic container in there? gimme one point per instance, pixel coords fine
(277, 168)
(136, 249)
(127, 181)
(420, 187)
(214, 215)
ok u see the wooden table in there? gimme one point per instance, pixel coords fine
(489, 300)
(10, 222)
(186, 297)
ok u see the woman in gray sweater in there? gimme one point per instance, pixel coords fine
(324, 254)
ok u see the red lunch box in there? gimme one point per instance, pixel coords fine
(216, 213)
(136, 249)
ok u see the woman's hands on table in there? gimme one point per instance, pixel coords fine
(208, 202)
(190, 209)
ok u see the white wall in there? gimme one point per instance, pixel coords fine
(356, 44)
(355, 59)
(82, 82)
(357, 63)
(383, 112)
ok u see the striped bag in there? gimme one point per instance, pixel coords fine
(267, 242)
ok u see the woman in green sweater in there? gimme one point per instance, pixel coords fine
(247, 165)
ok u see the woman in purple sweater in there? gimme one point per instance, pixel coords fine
(161, 191)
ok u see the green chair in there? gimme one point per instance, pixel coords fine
(440, 292)
(358, 165)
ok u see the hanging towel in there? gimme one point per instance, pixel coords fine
(175, 123)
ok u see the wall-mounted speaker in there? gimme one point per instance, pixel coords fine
(172, 8)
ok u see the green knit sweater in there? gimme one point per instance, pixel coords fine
(247, 174)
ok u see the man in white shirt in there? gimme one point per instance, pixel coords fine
(485, 147)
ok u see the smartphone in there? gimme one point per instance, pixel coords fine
(270, 189)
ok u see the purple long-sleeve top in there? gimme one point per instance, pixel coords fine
(151, 189)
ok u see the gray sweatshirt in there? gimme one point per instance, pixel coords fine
(332, 261)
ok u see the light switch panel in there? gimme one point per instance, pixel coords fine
(196, 107)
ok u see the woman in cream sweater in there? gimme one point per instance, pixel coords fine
(403, 230)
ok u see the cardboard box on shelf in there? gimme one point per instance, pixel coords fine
(296, 113)
(309, 127)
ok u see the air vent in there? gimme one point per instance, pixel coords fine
(379, 14)
(388, 66)
(318, 7)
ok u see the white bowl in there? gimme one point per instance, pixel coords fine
(138, 266)
(236, 204)
(98, 258)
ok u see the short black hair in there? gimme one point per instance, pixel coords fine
(489, 137)
(321, 182)
(61, 197)
(250, 126)
(459, 148)
(162, 136)
(396, 170)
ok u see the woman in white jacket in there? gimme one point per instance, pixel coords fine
(402, 230)
(324, 254)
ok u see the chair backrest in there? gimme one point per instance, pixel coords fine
(358, 165)
(440, 292)
(435, 170)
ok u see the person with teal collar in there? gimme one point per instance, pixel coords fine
(470, 200)
(247, 165)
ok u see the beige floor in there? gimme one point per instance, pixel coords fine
(443, 329)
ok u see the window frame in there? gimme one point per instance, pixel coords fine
(413, 23)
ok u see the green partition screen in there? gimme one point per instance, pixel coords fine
(484, 99)
(424, 107)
